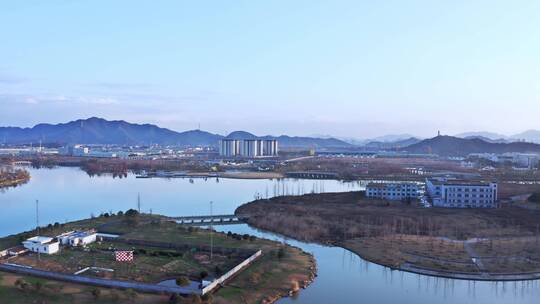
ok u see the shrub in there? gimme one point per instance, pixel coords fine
(281, 253)
(182, 281)
(96, 293)
(203, 275)
(132, 212)
(38, 286)
(195, 299)
(208, 298)
(218, 270)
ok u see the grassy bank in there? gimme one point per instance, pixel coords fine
(505, 240)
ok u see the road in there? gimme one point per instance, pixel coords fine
(143, 287)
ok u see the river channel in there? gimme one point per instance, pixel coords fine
(67, 194)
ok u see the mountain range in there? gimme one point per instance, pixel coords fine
(527, 136)
(100, 131)
(391, 145)
(455, 146)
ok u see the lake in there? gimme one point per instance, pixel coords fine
(67, 194)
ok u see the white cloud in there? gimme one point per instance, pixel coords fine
(52, 99)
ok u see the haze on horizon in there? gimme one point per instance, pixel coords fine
(345, 68)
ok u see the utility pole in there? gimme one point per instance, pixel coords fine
(37, 226)
(139, 202)
(211, 231)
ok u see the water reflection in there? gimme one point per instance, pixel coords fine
(343, 277)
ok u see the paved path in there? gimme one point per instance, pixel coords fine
(477, 260)
(144, 287)
(470, 276)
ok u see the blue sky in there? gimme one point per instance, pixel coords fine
(346, 68)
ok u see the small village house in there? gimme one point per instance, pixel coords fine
(42, 244)
(78, 238)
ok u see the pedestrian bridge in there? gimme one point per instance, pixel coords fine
(205, 220)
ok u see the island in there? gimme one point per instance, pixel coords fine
(146, 258)
(475, 244)
(11, 177)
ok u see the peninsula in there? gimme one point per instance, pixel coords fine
(129, 257)
(476, 244)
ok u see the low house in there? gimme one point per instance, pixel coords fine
(78, 238)
(17, 250)
(42, 244)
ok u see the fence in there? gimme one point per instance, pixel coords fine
(231, 272)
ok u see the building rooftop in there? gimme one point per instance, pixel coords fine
(459, 183)
(17, 249)
(385, 185)
(40, 239)
(78, 234)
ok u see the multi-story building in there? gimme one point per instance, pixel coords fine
(270, 147)
(229, 147)
(461, 194)
(250, 148)
(393, 191)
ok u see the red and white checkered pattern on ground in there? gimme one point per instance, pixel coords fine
(123, 256)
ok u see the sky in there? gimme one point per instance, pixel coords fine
(344, 68)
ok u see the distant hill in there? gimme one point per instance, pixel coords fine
(100, 131)
(529, 135)
(294, 141)
(385, 145)
(393, 138)
(310, 142)
(482, 134)
(241, 135)
(455, 146)
(489, 140)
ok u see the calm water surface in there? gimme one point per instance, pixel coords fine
(67, 194)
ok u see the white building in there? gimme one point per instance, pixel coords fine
(270, 147)
(229, 147)
(392, 191)
(461, 194)
(250, 148)
(78, 238)
(42, 244)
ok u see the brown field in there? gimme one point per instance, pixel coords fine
(393, 233)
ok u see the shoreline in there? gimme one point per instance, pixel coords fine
(410, 252)
(485, 277)
(298, 266)
(13, 183)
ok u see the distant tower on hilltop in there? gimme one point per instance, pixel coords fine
(439, 133)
